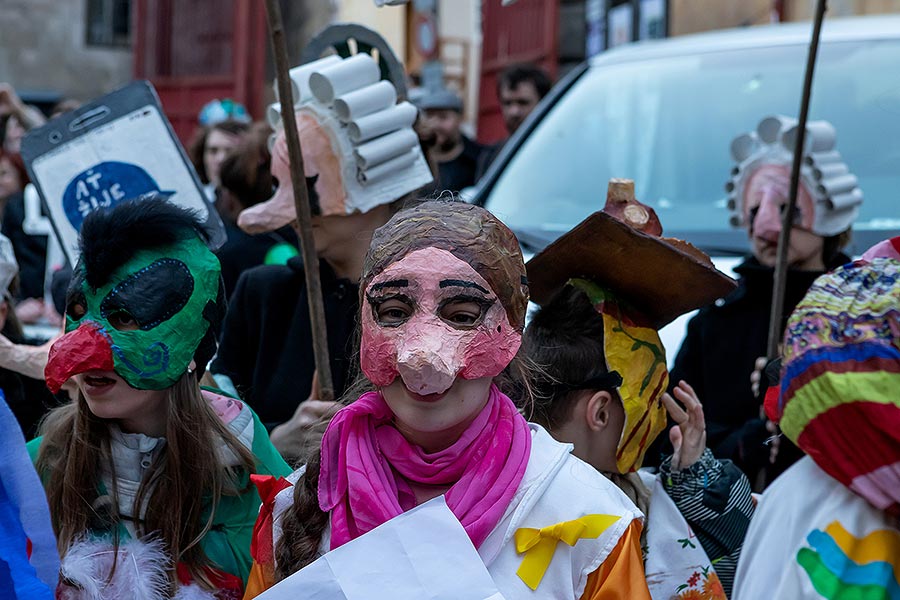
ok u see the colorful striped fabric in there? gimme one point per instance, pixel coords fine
(840, 380)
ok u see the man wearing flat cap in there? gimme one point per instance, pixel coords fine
(455, 154)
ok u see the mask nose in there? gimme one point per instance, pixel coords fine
(79, 351)
(767, 224)
(429, 362)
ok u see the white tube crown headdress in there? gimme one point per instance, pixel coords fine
(373, 131)
(368, 132)
(823, 172)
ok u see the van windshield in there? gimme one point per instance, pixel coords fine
(668, 123)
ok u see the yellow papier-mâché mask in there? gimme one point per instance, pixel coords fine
(634, 350)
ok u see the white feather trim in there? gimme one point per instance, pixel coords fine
(193, 592)
(141, 570)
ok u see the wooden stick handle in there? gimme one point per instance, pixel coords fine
(784, 239)
(301, 200)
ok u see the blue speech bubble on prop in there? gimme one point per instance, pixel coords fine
(105, 185)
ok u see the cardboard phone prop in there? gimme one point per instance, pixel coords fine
(116, 148)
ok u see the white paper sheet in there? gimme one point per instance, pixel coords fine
(423, 554)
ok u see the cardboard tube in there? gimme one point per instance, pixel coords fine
(338, 79)
(847, 200)
(820, 137)
(830, 170)
(300, 78)
(273, 115)
(769, 128)
(838, 185)
(821, 158)
(395, 165)
(365, 101)
(743, 146)
(385, 148)
(401, 116)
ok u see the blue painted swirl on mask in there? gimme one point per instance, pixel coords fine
(155, 359)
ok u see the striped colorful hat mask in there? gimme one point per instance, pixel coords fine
(840, 384)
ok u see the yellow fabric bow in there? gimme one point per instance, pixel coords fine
(539, 545)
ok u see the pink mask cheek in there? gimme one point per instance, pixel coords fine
(490, 350)
(378, 351)
(806, 206)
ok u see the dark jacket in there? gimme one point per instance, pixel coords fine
(243, 251)
(30, 250)
(266, 346)
(459, 173)
(718, 356)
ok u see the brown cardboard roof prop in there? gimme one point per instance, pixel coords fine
(661, 277)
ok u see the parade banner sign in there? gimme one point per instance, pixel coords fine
(116, 148)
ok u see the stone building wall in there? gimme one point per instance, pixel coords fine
(43, 49)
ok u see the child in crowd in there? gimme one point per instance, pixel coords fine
(443, 298)
(144, 468)
(602, 388)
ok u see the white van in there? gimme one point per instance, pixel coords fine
(663, 113)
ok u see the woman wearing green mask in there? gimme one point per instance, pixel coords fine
(147, 475)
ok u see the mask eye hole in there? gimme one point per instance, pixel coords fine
(76, 307)
(392, 311)
(122, 321)
(76, 310)
(464, 312)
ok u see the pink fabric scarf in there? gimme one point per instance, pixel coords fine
(367, 464)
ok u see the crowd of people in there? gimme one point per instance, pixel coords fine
(181, 440)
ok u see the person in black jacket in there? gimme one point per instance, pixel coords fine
(456, 155)
(245, 181)
(725, 340)
(266, 350)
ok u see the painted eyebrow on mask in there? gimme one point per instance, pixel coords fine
(394, 283)
(464, 284)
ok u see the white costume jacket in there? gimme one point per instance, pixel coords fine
(557, 487)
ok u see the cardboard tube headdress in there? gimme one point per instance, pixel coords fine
(823, 172)
(638, 282)
(359, 147)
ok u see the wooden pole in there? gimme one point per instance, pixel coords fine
(784, 239)
(301, 200)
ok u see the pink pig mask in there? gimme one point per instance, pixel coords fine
(430, 318)
(767, 191)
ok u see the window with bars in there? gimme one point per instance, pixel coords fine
(108, 23)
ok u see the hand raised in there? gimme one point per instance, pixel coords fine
(688, 436)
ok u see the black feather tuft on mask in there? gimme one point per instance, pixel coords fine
(111, 237)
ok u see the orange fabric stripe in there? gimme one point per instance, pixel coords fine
(621, 576)
(256, 582)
